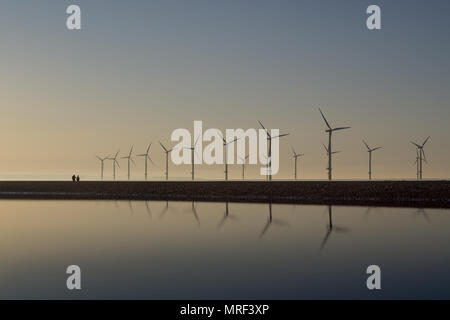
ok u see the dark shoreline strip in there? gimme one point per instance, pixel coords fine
(422, 194)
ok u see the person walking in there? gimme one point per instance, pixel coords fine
(78, 178)
(73, 178)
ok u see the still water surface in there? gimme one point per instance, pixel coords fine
(181, 250)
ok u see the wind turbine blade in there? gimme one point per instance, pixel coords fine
(117, 153)
(293, 151)
(424, 156)
(335, 152)
(163, 146)
(133, 161)
(267, 132)
(247, 156)
(326, 149)
(376, 148)
(131, 150)
(221, 136)
(117, 163)
(366, 145)
(196, 140)
(326, 122)
(99, 158)
(148, 149)
(232, 141)
(415, 144)
(151, 160)
(340, 128)
(281, 135)
(425, 141)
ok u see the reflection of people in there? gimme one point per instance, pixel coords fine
(78, 178)
(73, 178)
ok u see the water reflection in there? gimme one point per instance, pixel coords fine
(271, 221)
(227, 216)
(332, 228)
(420, 212)
(128, 256)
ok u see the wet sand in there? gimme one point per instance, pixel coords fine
(421, 194)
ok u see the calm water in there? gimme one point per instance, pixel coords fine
(180, 250)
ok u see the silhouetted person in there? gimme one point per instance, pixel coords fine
(73, 178)
(78, 178)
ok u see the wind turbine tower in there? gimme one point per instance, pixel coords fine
(369, 150)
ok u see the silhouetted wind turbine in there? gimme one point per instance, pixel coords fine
(269, 140)
(369, 150)
(114, 164)
(296, 155)
(102, 160)
(130, 159)
(421, 155)
(330, 130)
(226, 144)
(147, 157)
(166, 151)
(192, 155)
(243, 166)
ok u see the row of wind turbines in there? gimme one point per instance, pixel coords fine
(420, 155)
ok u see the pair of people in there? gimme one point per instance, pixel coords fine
(76, 178)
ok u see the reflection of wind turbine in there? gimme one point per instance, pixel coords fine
(269, 140)
(270, 221)
(147, 157)
(330, 130)
(421, 155)
(226, 216)
(166, 151)
(243, 166)
(193, 152)
(102, 160)
(225, 144)
(331, 228)
(114, 164)
(130, 159)
(422, 212)
(369, 150)
(296, 155)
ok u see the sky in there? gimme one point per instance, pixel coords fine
(137, 70)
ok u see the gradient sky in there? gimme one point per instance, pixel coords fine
(140, 69)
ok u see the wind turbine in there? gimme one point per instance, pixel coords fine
(102, 160)
(167, 151)
(330, 130)
(129, 159)
(269, 139)
(296, 155)
(147, 157)
(243, 166)
(225, 144)
(369, 150)
(114, 164)
(421, 155)
(192, 155)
